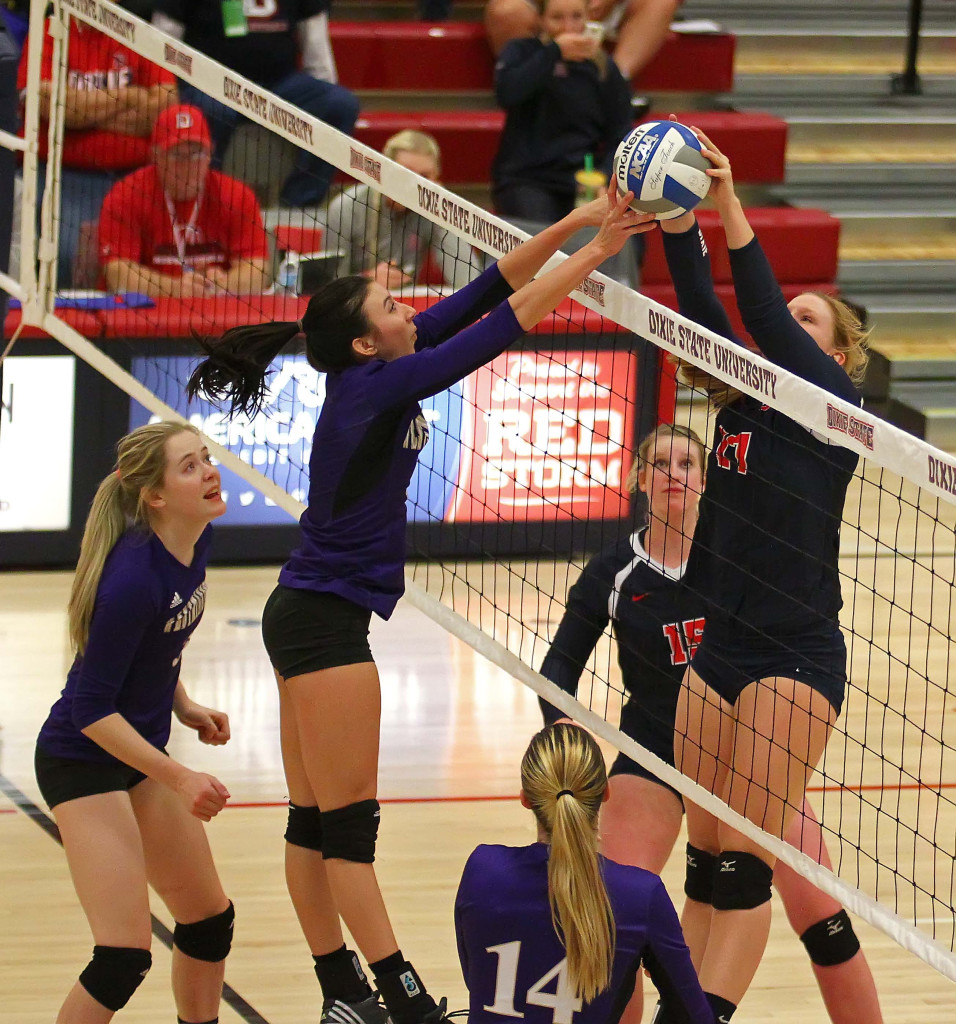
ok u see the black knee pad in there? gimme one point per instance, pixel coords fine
(115, 973)
(349, 833)
(831, 941)
(304, 827)
(209, 939)
(699, 876)
(741, 881)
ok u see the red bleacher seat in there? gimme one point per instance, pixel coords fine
(755, 143)
(800, 244)
(455, 57)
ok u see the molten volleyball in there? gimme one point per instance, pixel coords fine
(661, 163)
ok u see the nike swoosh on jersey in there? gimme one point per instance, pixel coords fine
(638, 597)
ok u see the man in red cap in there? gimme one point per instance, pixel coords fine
(177, 229)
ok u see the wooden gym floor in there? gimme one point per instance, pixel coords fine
(454, 728)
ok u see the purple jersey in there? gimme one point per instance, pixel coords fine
(370, 433)
(147, 605)
(514, 963)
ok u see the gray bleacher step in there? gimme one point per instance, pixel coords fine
(865, 96)
(926, 409)
(819, 15)
(854, 189)
(899, 275)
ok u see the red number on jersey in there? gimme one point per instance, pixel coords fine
(683, 639)
(736, 443)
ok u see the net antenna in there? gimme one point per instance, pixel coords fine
(512, 425)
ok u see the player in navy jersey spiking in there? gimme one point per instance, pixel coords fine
(768, 679)
(554, 933)
(382, 359)
(658, 623)
(137, 597)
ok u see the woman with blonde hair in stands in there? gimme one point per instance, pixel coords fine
(554, 929)
(101, 763)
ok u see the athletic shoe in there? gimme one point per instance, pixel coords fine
(367, 1011)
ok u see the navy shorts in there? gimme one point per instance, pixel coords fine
(730, 660)
(308, 631)
(658, 736)
(67, 778)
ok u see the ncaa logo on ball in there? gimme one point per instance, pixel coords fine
(661, 163)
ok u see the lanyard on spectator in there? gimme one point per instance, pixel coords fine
(182, 234)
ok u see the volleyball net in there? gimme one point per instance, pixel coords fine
(525, 462)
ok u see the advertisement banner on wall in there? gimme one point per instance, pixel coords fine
(36, 442)
(532, 436)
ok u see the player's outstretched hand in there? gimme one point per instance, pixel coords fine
(204, 795)
(620, 221)
(721, 176)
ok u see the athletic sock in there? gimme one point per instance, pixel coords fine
(402, 989)
(341, 976)
(723, 1008)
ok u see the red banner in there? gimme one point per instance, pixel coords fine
(547, 436)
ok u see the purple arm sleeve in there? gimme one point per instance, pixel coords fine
(668, 962)
(431, 370)
(124, 609)
(463, 307)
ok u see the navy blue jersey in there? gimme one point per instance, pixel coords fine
(558, 112)
(514, 963)
(657, 625)
(767, 541)
(147, 605)
(267, 53)
(368, 438)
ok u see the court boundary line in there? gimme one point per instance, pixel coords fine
(37, 815)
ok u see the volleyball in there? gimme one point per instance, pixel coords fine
(661, 163)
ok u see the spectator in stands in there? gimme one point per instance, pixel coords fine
(565, 100)
(638, 27)
(113, 97)
(282, 46)
(391, 243)
(176, 228)
(16, 15)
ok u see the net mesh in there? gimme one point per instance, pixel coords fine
(526, 459)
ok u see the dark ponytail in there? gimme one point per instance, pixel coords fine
(237, 363)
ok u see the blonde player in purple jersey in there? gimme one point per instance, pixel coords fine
(137, 597)
(553, 933)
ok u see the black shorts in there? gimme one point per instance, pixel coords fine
(66, 778)
(650, 732)
(728, 661)
(307, 631)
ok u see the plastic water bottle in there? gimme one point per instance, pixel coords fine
(287, 276)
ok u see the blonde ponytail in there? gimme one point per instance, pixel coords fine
(120, 503)
(564, 779)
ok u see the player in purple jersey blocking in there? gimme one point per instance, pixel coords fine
(553, 932)
(382, 359)
(658, 623)
(768, 679)
(137, 597)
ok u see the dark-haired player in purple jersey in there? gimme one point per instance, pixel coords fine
(658, 624)
(554, 933)
(101, 764)
(768, 678)
(381, 360)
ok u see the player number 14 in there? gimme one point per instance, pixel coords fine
(562, 1002)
